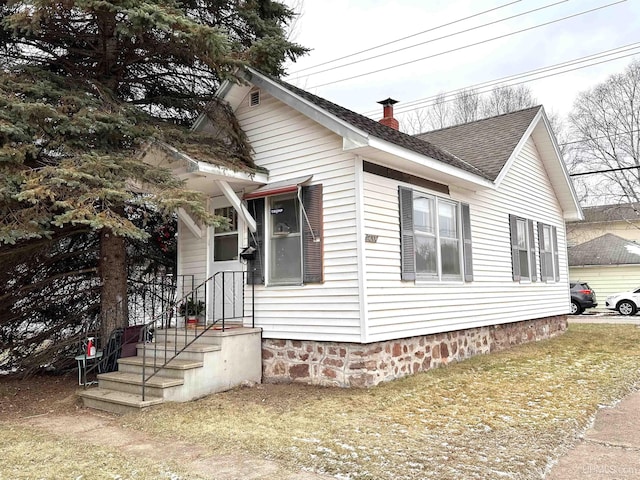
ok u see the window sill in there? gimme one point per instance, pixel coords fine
(432, 283)
(284, 286)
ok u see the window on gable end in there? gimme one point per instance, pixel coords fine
(435, 238)
(548, 246)
(523, 260)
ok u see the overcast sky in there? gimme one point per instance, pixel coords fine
(337, 28)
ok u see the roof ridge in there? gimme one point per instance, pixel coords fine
(480, 120)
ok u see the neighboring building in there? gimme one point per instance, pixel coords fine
(622, 220)
(381, 254)
(609, 264)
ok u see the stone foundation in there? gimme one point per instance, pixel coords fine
(366, 365)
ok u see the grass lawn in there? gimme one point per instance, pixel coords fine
(509, 414)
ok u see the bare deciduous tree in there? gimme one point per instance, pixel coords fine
(467, 106)
(605, 123)
(505, 99)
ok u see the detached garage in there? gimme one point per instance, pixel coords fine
(609, 264)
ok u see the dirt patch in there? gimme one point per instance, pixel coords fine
(103, 430)
(37, 395)
(49, 404)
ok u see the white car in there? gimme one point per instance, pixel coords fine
(626, 303)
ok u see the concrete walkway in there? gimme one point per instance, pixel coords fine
(610, 449)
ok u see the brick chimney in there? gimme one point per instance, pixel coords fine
(387, 113)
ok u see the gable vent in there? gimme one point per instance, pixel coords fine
(254, 99)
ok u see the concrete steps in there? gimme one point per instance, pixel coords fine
(215, 362)
(115, 401)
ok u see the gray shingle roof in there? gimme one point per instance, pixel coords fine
(609, 249)
(376, 129)
(612, 213)
(487, 144)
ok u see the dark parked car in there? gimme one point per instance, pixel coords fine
(581, 297)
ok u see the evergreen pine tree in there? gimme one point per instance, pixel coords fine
(87, 84)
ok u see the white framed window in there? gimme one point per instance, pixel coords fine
(548, 246)
(435, 237)
(225, 238)
(288, 237)
(285, 240)
(523, 256)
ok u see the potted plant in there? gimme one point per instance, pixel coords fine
(193, 312)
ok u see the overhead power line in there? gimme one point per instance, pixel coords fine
(487, 86)
(609, 170)
(471, 45)
(432, 40)
(599, 138)
(404, 38)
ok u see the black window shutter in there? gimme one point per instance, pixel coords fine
(466, 243)
(407, 244)
(556, 263)
(256, 240)
(541, 247)
(515, 257)
(532, 252)
(312, 249)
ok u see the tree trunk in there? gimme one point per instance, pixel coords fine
(113, 272)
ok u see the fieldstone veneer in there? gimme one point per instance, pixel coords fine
(366, 365)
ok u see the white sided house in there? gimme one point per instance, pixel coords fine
(380, 254)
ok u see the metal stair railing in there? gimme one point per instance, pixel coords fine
(219, 298)
(150, 297)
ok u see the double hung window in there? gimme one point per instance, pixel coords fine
(435, 237)
(522, 249)
(288, 237)
(285, 245)
(523, 252)
(548, 243)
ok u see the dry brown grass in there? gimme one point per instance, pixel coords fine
(31, 455)
(507, 414)
(502, 415)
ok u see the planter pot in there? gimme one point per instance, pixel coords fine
(192, 322)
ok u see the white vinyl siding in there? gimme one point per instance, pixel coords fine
(192, 257)
(290, 145)
(401, 309)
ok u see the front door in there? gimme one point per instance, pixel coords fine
(225, 291)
